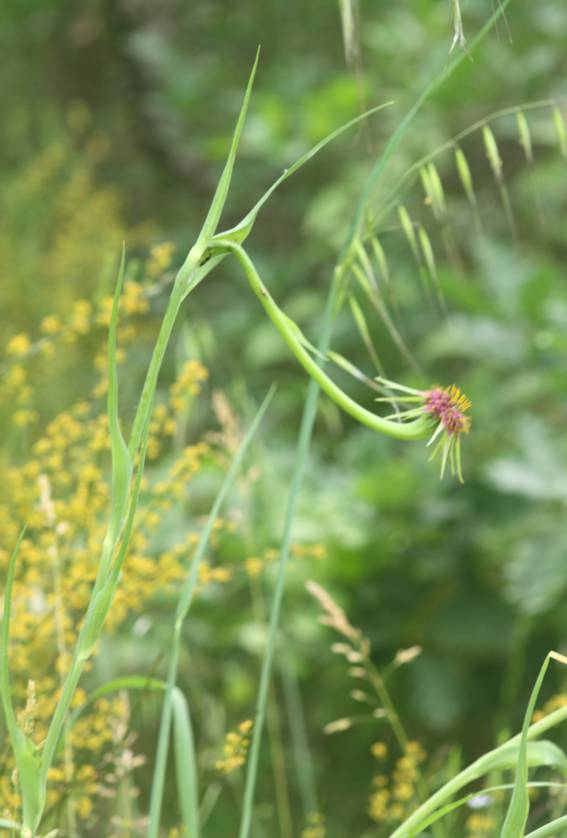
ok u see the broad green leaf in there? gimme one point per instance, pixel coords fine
(28, 761)
(538, 753)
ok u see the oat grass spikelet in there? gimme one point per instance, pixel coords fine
(446, 406)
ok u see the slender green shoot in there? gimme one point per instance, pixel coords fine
(518, 810)
(501, 758)
(462, 801)
(185, 764)
(25, 751)
(183, 606)
(549, 829)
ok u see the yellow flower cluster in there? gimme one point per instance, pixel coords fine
(393, 797)
(62, 494)
(480, 825)
(161, 257)
(235, 749)
(556, 702)
(187, 383)
(254, 565)
(315, 826)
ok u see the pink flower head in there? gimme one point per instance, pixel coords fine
(446, 406)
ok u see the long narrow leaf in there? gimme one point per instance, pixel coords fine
(5, 691)
(217, 205)
(502, 758)
(518, 810)
(549, 829)
(462, 801)
(185, 765)
(241, 231)
(183, 606)
(121, 459)
(25, 752)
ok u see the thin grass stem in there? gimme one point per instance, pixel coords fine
(182, 609)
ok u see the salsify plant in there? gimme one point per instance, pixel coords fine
(437, 416)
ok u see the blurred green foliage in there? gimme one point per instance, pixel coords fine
(116, 120)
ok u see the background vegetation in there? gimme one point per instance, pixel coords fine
(117, 117)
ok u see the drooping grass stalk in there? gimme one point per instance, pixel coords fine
(417, 429)
(308, 419)
(182, 609)
(399, 186)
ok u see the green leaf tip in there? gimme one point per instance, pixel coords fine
(221, 193)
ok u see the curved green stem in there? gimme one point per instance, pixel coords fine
(418, 429)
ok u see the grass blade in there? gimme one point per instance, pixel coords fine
(518, 810)
(183, 606)
(549, 829)
(5, 692)
(25, 751)
(185, 765)
(120, 456)
(456, 804)
(499, 759)
(7, 824)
